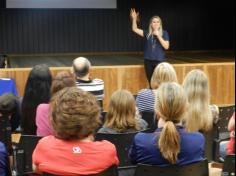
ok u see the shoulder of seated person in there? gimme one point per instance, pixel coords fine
(144, 90)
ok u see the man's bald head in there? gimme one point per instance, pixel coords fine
(81, 66)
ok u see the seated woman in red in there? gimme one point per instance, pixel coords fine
(72, 151)
(170, 144)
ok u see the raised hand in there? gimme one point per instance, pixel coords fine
(133, 14)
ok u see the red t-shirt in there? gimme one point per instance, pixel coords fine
(57, 156)
(231, 145)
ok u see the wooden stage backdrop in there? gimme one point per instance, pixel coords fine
(132, 77)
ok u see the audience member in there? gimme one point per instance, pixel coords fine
(170, 143)
(200, 114)
(228, 147)
(61, 80)
(72, 151)
(9, 106)
(122, 115)
(81, 69)
(3, 160)
(37, 91)
(164, 72)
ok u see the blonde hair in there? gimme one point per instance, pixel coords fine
(164, 72)
(150, 26)
(171, 107)
(198, 116)
(122, 112)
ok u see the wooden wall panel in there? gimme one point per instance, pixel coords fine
(221, 78)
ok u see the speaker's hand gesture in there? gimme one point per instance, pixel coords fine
(133, 14)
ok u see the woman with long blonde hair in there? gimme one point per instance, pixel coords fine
(122, 114)
(164, 72)
(156, 41)
(170, 143)
(200, 114)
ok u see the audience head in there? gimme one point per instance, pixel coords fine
(74, 114)
(164, 72)
(121, 112)
(199, 116)
(8, 103)
(61, 80)
(81, 67)
(171, 107)
(37, 91)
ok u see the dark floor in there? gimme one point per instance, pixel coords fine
(65, 60)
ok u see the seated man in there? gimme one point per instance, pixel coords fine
(72, 151)
(81, 68)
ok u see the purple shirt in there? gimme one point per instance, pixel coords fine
(3, 160)
(42, 121)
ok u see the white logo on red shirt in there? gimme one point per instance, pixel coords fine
(76, 150)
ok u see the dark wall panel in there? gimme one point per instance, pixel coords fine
(192, 25)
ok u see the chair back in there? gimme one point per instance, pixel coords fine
(209, 143)
(5, 132)
(150, 118)
(111, 171)
(103, 116)
(122, 141)
(24, 153)
(225, 113)
(195, 169)
(229, 166)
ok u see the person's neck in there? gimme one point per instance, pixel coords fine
(90, 138)
(162, 122)
(84, 78)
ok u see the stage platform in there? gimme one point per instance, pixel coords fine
(112, 59)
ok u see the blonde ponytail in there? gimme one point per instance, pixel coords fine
(169, 142)
(171, 104)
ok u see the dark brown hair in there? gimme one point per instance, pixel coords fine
(62, 79)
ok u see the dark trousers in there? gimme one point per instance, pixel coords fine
(149, 66)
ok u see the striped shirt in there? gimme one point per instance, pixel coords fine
(145, 100)
(95, 86)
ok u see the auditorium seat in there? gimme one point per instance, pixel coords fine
(229, 166)
(122, 141)
(5, 132)
(195, 169)
(150, 118)
(23, 154)
(112, 171)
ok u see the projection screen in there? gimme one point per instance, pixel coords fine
(88, 4)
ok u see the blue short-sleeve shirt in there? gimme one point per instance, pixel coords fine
(153, 49)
